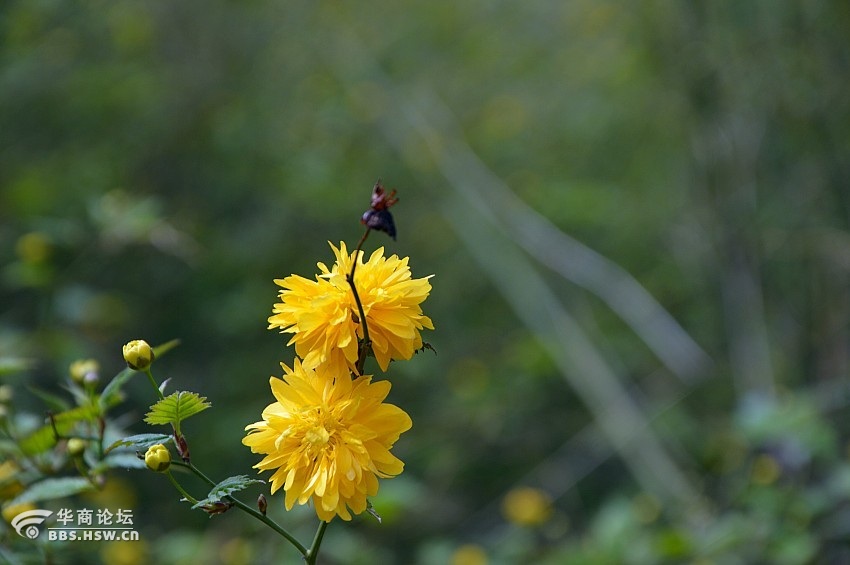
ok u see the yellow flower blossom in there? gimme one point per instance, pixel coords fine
(469, 554)
(323, 317)
(327, 438)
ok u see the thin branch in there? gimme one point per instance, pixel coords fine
(366, 344)
(247, 509)
(313, 552)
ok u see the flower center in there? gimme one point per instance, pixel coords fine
(317, 436)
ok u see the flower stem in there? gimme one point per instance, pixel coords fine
(313, 553)
(153, 383)
(366, 345)
(245, 508)
(185, 494)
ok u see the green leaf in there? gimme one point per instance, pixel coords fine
(119, 461)
(164, 348)
(50, 489)
(111, 394)
(140, 441)
(176, 407)
(226, 487)
(44, 438)
(12, 365)
(8, 447)
(54, 402)
(78, 414)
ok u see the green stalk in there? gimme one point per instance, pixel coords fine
(153, 383)
(182, 491)
(246, 508)
(313, 553)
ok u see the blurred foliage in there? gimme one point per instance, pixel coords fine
(161, 164)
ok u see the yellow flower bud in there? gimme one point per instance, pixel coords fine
(76, 446)
(158, 458)
(138, 354)
(81, 368)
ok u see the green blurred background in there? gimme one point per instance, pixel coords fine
(636, 213)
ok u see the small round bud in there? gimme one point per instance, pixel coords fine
(138, 354)
(76, 446)
(91, 380)
(158, 458)
(83, 369)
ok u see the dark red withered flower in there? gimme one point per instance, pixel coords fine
(378, 216)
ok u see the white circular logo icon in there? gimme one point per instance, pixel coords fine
(26, 523)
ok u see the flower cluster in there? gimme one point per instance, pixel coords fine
(328, 435)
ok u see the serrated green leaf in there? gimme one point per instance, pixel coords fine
(226, 487)
(140, 441)
(111, 394)
(176, 407)
(50, 489)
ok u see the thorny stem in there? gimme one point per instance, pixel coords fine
(245, 508)
(366, 345)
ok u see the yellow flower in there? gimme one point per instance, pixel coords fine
(526, 506)
(323, 317)
(10, 484)
(469, 554)
(12, 510)
(328, 439)
(34, 247)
